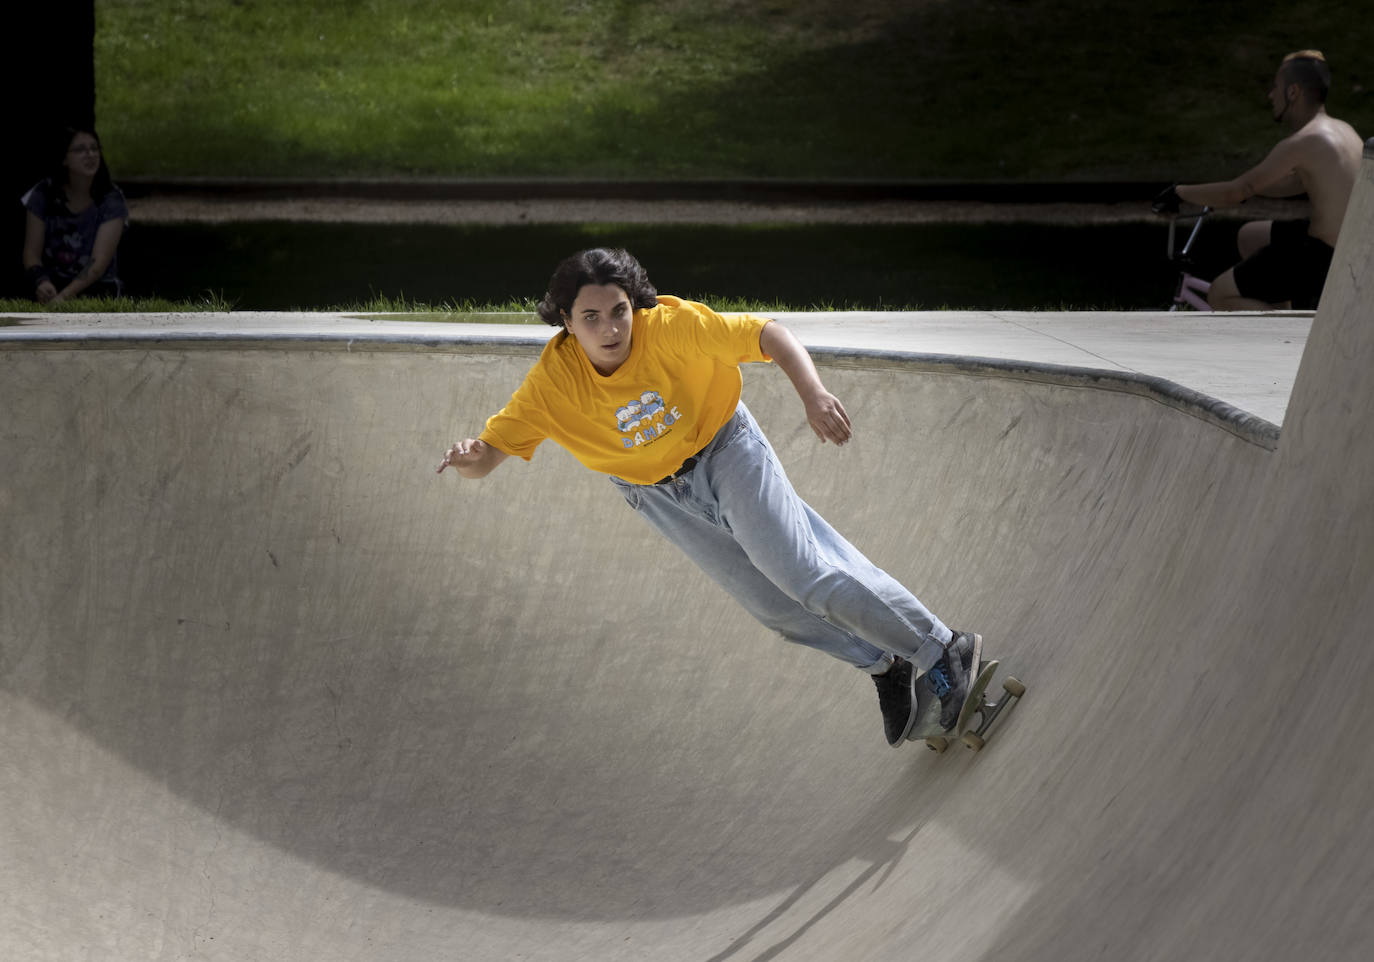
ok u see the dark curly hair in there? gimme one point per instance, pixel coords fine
(600, 265)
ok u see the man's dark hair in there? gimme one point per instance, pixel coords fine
(600, 265)
(1309, 70)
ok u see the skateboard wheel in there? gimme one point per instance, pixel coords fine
(973, 742)
(937, 745)
(1013, 687)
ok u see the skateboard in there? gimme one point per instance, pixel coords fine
(976, 705)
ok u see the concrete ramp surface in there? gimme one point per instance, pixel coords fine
(272, 690)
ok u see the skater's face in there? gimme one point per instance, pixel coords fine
(600, 319)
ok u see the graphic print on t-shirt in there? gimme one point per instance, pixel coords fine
(645, 419)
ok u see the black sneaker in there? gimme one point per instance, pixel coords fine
(951, 677)
(895, 701)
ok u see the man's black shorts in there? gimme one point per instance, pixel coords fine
(1291, 268)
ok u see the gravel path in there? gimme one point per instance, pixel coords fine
(218, 209)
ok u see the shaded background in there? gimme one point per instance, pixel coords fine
(1002, 93)
(283, 265)
(43, 94)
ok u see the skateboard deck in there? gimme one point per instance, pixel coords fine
(976, 706)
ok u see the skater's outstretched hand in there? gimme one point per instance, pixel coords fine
(472, 458)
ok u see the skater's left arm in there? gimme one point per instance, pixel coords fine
(824, 411)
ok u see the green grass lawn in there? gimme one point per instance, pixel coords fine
(955, 90)
(117, 305)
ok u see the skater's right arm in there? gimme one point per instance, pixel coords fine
(472, 458)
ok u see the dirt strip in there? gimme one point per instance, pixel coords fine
(218, 209)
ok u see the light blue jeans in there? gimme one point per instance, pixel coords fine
(737, 516)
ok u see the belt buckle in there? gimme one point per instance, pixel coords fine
(687, 465)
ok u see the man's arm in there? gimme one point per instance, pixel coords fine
(472, 458)
(1289, 186)
(824, 412)
(1274, 176)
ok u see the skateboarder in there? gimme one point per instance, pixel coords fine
(646, 388)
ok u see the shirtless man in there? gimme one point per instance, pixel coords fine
(1285, 263)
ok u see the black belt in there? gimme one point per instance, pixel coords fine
(687, 465)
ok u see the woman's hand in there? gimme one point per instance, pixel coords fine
(45, 291)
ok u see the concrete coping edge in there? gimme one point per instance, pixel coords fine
(1242, 424)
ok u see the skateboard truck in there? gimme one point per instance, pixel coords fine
(987, 711)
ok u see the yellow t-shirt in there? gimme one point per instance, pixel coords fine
(678, 387)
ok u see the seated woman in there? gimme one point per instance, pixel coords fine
(76, 217)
